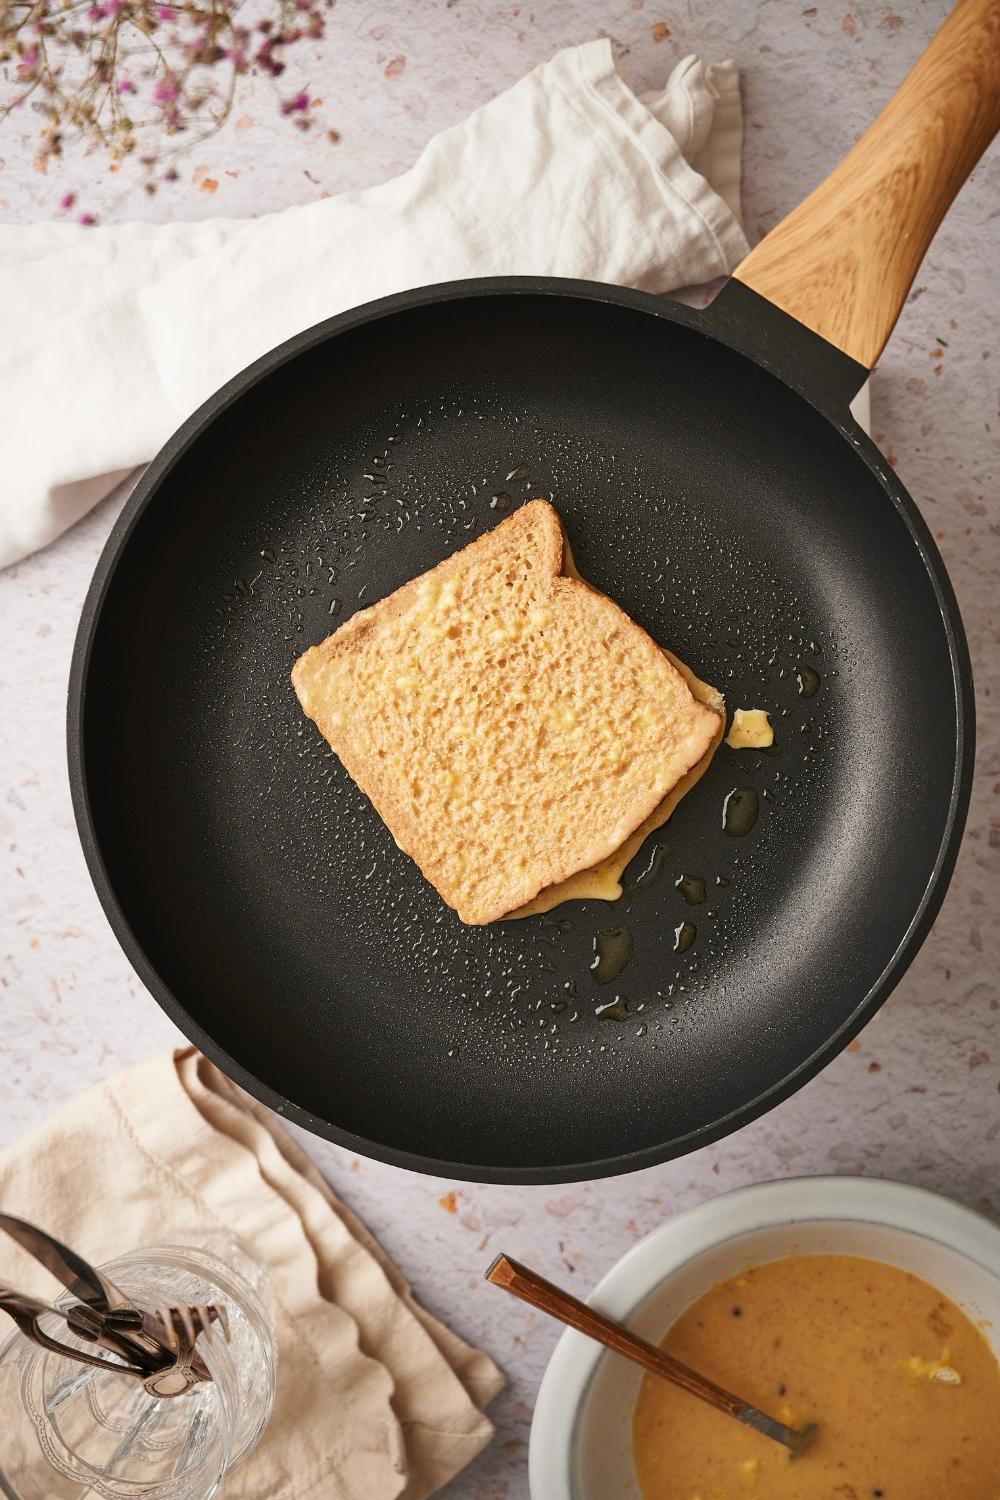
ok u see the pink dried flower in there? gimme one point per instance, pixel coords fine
(265, 57)
(74, 62)
(86, 220)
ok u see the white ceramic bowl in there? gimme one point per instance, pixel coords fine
(581, 1434)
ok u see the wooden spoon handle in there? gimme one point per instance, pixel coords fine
(522, 1282)
(842, 262)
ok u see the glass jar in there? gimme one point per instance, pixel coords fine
(68, 1429)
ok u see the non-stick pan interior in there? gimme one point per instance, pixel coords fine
(267, 904)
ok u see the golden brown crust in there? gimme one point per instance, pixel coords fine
(509, 723)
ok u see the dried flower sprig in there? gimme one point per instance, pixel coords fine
(142, 78)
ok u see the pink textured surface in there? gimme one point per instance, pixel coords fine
(916, 1096)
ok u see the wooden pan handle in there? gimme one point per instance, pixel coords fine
(842, 262)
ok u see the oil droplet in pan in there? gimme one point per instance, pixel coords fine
(614, 1010)
(693, 888)
(739, 811)
(613, 950)
(684, 936)
(653, 870)
(808, 681)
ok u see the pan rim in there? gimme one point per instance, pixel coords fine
(938, 879)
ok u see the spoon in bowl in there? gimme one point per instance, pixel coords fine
(522, 1282)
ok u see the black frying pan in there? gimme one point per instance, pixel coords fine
(712, 480)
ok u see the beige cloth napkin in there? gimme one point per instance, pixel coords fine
(375, 1398)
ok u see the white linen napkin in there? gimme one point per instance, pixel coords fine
(113, 336)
